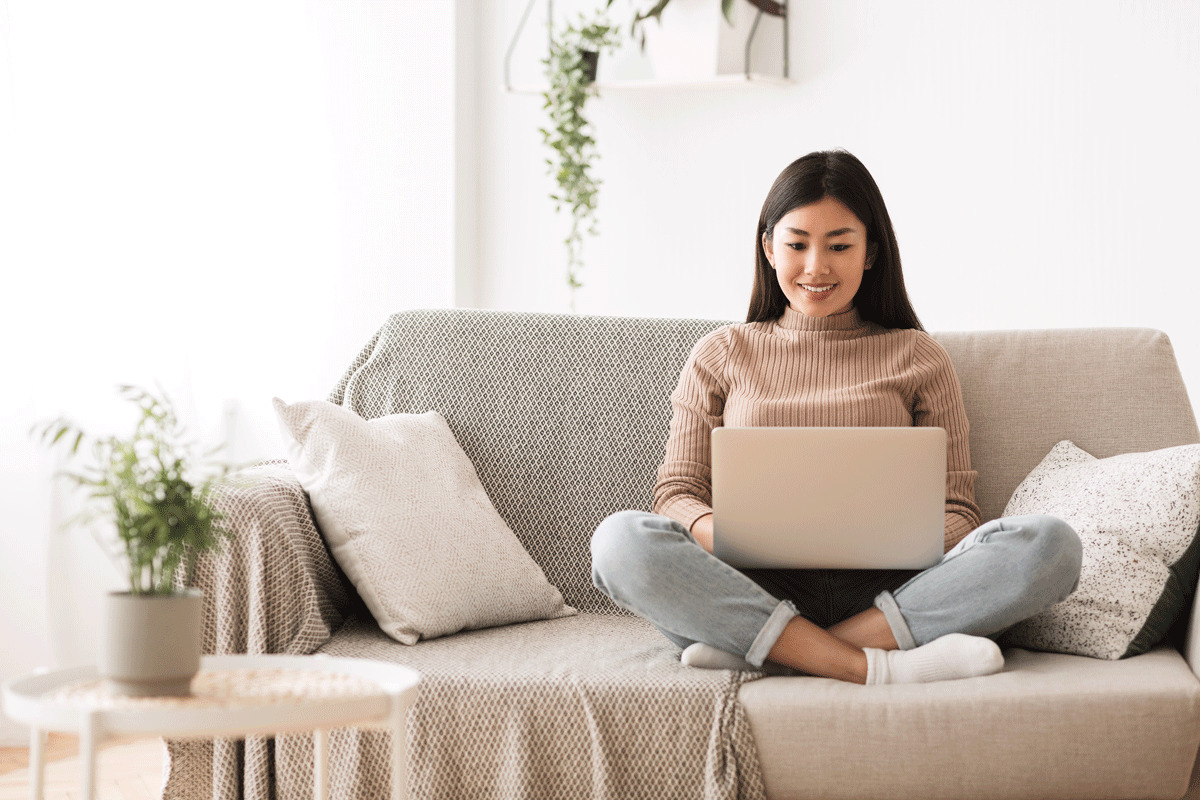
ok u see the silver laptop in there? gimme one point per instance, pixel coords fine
(842, 498)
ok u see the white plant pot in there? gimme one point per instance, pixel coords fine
(151, 644)
(694, 41)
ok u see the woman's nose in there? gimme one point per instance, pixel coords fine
(814, 264)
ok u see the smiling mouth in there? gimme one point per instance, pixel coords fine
(818, 289)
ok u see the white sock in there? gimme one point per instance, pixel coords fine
(708, 657)
(953, 656)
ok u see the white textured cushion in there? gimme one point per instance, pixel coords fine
(407, 519)
(1137, 516)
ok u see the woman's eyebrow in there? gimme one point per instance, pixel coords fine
(837, 232)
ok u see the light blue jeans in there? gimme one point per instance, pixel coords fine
(1003, 572)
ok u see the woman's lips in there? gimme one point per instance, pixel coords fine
(818, 292)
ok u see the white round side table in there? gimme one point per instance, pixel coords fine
(232, 696)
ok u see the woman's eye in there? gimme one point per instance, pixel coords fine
(837, 248)
(797, 245)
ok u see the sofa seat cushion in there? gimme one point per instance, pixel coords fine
(1048, 726)
(588, 706)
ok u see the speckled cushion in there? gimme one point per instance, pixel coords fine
(407, 519)
(1137, 515)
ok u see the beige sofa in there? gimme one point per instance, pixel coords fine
(565, 418)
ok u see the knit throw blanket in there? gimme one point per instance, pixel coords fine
(591, 706)
(564, 418)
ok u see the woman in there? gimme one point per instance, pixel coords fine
(830, 340)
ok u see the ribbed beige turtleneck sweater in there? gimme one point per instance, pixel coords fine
(812, 371)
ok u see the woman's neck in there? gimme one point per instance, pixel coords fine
(796, 321)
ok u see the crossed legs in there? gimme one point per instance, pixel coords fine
(1003, 572)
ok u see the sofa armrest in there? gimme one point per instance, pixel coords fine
(1191, 644)
(273, 587)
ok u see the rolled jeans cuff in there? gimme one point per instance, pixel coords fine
(895, 620)
(770, 632)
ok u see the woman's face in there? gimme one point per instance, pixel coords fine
(819, 253)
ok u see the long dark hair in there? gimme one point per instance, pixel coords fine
(882, 297)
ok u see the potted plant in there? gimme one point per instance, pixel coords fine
(571, 70)
(655, 11)
(161, 503)
(690, 42)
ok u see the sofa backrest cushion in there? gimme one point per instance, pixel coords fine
(565, 417)
(1108, 390)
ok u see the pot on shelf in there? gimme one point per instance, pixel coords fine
(151, 644)
(589, 62)
(693, 40)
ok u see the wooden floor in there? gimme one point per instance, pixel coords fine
(129, 771)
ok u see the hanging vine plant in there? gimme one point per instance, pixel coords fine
(571, 70)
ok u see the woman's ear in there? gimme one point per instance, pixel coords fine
(769, 248)
(872, 251)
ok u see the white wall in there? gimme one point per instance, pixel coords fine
(1038, 160)
(226, 197)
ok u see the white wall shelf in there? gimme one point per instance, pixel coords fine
(711, 82)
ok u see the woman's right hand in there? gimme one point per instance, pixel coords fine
(702, 531)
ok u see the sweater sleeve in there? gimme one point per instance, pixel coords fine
(683, 490)
(938, 403)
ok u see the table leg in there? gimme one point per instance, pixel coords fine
(88, 734)
(37, 763)
(321, 764)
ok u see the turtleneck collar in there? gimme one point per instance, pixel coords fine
(794, 320)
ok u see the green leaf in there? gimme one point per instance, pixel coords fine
(727, 10)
